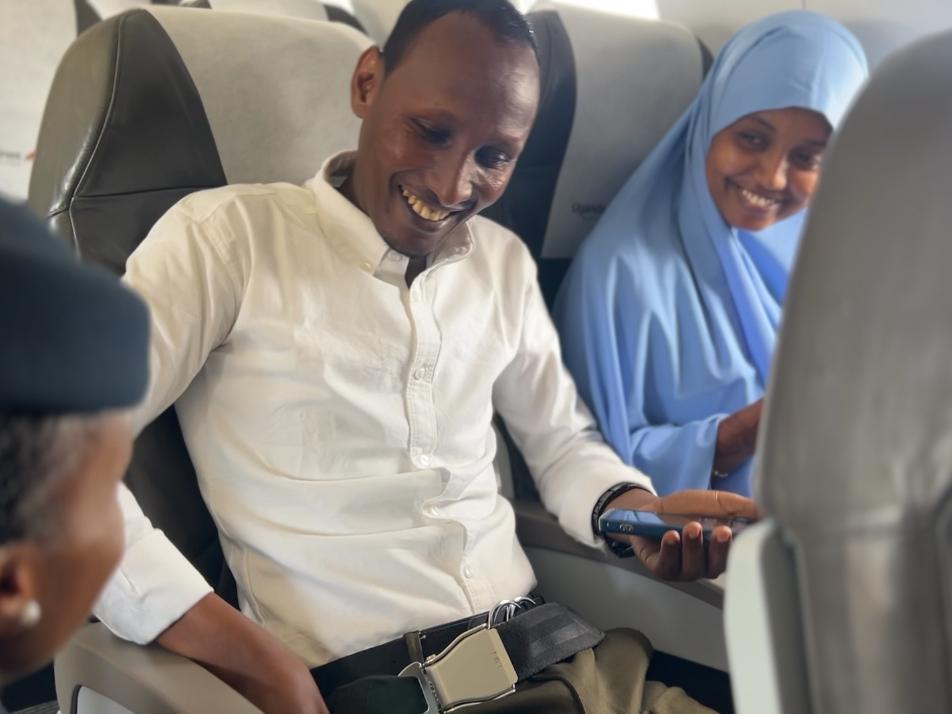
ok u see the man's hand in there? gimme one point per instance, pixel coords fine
(684, 555)
(245, 656)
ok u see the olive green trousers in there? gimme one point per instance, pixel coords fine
(609, 679)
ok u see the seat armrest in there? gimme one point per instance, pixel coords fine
(537, 528)
(144, 679)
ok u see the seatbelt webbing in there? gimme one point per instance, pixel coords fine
(534, 639)
(544, 635)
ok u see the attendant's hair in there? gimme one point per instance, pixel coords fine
(37, 452)
(507, 24)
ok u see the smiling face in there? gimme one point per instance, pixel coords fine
(441, 131)
(764, 167)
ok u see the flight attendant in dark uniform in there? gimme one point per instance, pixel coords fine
(73, 358)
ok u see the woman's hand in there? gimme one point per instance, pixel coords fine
(737, 437)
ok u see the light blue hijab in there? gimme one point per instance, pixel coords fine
(668, 315)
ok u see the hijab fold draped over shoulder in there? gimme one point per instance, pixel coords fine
(668, 315)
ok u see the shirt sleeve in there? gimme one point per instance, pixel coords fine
(569, 461)
(189, 278)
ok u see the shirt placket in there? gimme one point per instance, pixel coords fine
(421, 411)
(423, 423)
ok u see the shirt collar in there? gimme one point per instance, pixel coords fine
(352, 233)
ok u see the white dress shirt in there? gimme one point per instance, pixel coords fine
(340, 422)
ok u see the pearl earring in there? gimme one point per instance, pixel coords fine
(30, 614)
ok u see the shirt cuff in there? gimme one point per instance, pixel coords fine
(576, 520)
(154, 586)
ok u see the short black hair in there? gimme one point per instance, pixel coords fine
(507, 24)
(38, 452)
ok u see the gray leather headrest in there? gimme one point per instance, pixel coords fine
(203, 99)
(634, 77)
(856, 451)
(303, 9)
(611, 87)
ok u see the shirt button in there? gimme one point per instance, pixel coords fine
(366, 266)
(420, 373)
(467, 572)
(424, 460)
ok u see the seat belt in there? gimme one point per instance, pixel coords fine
(482, 664)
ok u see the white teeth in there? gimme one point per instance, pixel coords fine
(421, 209)
(758, 200)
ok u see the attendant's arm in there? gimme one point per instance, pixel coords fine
(191, 277)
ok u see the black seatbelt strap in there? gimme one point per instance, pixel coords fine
(533, 639)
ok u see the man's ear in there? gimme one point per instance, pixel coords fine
(17, 587)
(366, 82)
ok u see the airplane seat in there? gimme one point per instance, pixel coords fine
(611, 87)
(840, 600)
(378, 16)
(301, 9)
(146, 107)
(339, 14)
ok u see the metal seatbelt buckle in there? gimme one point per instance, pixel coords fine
(473, 669)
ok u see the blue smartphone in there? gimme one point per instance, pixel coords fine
(653, 525)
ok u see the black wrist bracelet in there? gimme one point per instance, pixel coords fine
(622, 550)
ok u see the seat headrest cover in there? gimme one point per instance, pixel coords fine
(302, 9)
(634, 78)
(855, 452)
(275, 90)
(72, 339)
(378, 16)
(155, 103)
(524, 206)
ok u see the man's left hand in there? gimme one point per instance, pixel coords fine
(684, 555)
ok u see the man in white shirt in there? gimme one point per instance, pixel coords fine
(336, 353)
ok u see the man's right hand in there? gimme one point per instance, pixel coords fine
(684, 555)
(245, 656)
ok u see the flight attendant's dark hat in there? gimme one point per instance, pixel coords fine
(72, 338)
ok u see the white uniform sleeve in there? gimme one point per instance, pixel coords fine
(188, 274)
(536, 397)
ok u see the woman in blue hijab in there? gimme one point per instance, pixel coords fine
(669, 312)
